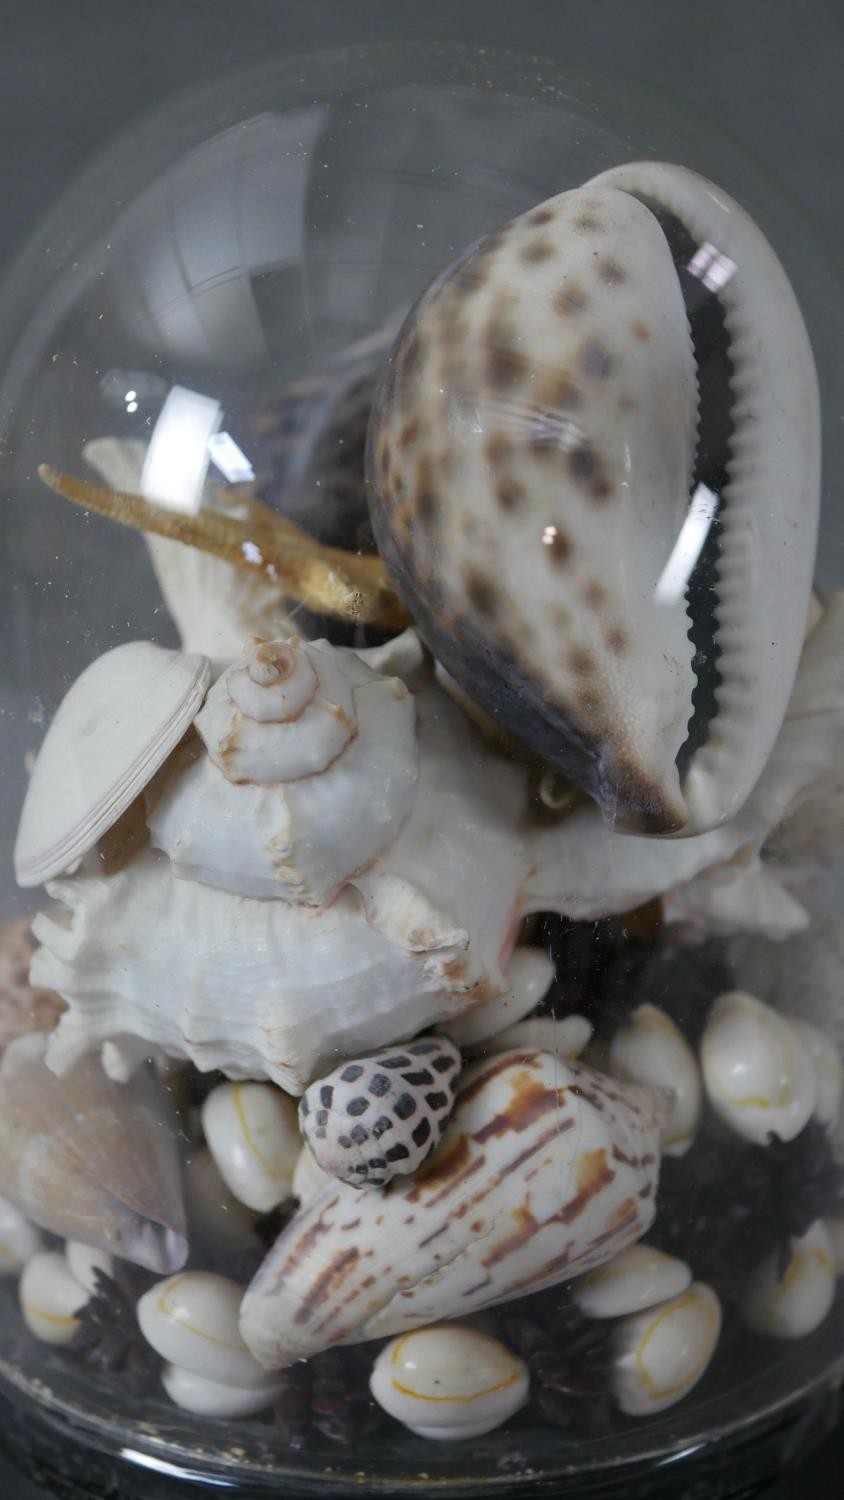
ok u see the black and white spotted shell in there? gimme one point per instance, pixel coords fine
(381, 1115)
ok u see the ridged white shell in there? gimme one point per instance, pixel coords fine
(546, 1170)
(89, 1159)
(310, 770)
(112, 731)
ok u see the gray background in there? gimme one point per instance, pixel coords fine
(769, 72)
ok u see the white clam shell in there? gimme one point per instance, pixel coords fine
(291, 807)
(661, 1354)
(113, 730)
(50, 1298)
(208, 1398)
(651, 1049)
(449, 1382)
(83, 1263)
(19, 1239)
(793, 1305)
(829, 1075)
(252, 1132)
(90, 1159)
(529, 975)
(259, 989)
(546, 1170)
(566, 1036)
(638, 1278)
(191, 1321)
(758, 1074)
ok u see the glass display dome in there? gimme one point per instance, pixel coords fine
(420, 812)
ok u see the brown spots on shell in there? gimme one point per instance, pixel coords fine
(529, 1101)
(556, 544)
(505, 365)
(640, 330)
(498, 448)
(327, 1283)
(428, 510)
(482, 593)
(595, 359)
(559, 392)
(592, 1173)
(617, 640)
(588, 222)
(536, 251)
(409, 432)
(585, 467)
(569, 299)
(594, 594)
(541, 216)
(509, 494)
(610, 272)
(497, 1065)
(581, 662)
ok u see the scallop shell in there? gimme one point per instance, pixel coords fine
(311, 769)
(113, 730)
(535, 477)
(546, 1170)
(258, 989)
(89, 1159)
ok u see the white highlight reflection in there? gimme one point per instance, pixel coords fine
(177, 458)
(229, 459)
(711, 266)
(688, 546)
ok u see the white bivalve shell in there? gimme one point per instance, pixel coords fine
(637, 1278)
(90, 1159)
(380, 1116)
(546, 1170)
(661, 1354)
(19, 1239)
(50, 1297)
(311, 769)
(759, 1076)
(252, 1133)
(794, 1303)
(449, 1382)
(112, 731)
(191, 1321)
(651, 1049)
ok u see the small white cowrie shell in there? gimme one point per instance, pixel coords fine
(83, 1263)
(564, 1037)
(758, 1074)
(252, 1131)
(529, 975)
(309, 1177)
(191, 1320)
(19, 1240)
(207, 1398)
(447, 1382)
(659, 1355)
(50, 1298)
(829, 1075)
(796, 1304)
(651, 1049)
(637, 1278)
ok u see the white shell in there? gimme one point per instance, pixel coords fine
(208, 1398)
(566, 1036)
(449, 1382)
(529, 975)
(311, 769)
(650, 1049)
(252, 1132)
(191, 1321)
(308, 1177)
(834, 1225)
(259, 989)
(661, 1354)
(829, 1075)
(50, 1298)
(758, 1074)
(218, 1221)
(18, 1239)
(112, 731)
(83, 1263)
(795, 1305)
(638, 1278)
(546, 1170)
(90, 1159)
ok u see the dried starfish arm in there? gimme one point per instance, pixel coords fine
(326, 579)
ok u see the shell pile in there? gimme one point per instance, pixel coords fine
(328, 873)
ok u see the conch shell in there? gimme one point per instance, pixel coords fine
(311, 769)
(89, 1159)
(546, 1170)
(564, 409)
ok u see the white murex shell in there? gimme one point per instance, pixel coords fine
(113, 730)
(533, 462)
(311, 769)
(546, 1170)
(449, 1382)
